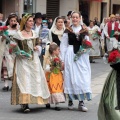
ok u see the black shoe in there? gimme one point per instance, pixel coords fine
(25, 108)
(70, 105)
(5, 88)
(57, 109)
(92, 61)
(48, 106)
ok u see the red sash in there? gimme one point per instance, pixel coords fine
(115, 28)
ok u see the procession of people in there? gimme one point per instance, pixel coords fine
(48, 62)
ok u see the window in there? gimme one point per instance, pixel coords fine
(28, 6)
(53, 8)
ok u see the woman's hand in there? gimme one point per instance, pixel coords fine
(36, 48)
(85, 28)
(62, 66)
(3, 38)
(51, 68)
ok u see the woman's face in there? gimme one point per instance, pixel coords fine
(91, 24)
(59, 23)
(75, 19)
(29, 23)
(105, 20)
(13, 21)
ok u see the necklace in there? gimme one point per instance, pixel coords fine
(28, 32)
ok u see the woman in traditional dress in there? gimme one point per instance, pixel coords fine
(77, 74)
(54, 76)
(103, 38)
(8, 59)
(94, 34)
(109, 106)
(29, 83)
(57, 30)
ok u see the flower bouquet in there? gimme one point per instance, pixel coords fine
(4, 32)
(13, 48)
(86, 45)
(114, 59)
(55, 65)
(96, 35)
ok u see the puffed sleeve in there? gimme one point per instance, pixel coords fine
(63, 46)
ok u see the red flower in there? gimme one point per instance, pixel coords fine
(56, 60)
(113, 56)
(99, 33)
(86, 43)
(3, 28)
(13, 45)
(10, 51)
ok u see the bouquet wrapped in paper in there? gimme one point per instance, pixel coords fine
(14, 48)
(86, 45)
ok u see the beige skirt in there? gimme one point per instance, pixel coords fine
(19, 98)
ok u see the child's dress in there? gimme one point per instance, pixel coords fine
(55, 83)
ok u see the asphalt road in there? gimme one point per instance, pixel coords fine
(38, 112)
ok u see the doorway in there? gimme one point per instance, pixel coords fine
(116, 9)
(103, 10)
(84, 8)
(1, 4)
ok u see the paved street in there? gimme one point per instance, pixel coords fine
(99, 73)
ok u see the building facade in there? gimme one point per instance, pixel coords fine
(53, 8)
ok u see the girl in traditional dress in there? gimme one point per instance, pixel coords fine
(77, 74)
(94, 34)
(57, 30)
(54, 76)
(8, 59)
(29, 84)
